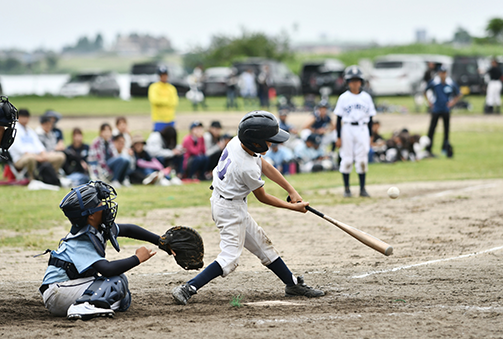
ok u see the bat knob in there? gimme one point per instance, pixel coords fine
(389, 251)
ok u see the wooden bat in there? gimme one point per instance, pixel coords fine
(361, 236)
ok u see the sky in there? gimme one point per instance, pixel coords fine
(52, 24)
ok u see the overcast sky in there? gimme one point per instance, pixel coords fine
(52, 24)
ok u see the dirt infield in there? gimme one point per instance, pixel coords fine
(443, 280)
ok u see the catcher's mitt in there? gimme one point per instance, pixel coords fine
(187, 245)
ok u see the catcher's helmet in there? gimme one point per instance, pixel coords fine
(353, 72)
(8, 118)
(257, 127)
(87, 199)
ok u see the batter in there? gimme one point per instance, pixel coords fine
(238, 174)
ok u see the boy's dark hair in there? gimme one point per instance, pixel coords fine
(105, 125)
(117, 137)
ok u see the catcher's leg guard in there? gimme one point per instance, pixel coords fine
(108, 293)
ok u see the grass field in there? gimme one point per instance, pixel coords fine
(25, 215)
(97, 106)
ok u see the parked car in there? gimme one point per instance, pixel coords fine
(144, 74)
(283, 80)
(468, 72)
(91, 83)
(397, 74)
(215, 81)
(322, 73)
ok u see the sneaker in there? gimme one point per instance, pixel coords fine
(182, 293)
(126, 183)
(347, 194)
(301, 289)
(163, 182)
(116, 184)
(150, 179)
(364, 194)
(87, 311)
(176, 181)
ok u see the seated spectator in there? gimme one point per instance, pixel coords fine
(28, 152)
(283, 115)
(104, 160)
(280, 157)
(147, 170)
(214, 144)
(46, 134)
(121, 127)
(195, 161)
(377, 144)
(320, 123)
(55, 117)
(75, 166)
(311, 157)
(163, 146)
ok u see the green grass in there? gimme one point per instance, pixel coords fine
(101, 107)
(27, 218)
(236, 301)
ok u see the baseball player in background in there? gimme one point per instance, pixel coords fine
(237, 174)
(354, 111)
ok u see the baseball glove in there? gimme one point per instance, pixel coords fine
(187, 245)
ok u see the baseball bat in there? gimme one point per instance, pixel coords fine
(359, 235)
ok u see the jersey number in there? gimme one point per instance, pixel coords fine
(223, 165)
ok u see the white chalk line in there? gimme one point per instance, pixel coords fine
(427, 263)
(454, 191)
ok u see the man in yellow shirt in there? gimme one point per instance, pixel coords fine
(163, 99)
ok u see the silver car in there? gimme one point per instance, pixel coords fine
(91, 83)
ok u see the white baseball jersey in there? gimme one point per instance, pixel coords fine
(355, 110)
(237, 175)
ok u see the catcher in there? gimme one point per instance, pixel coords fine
(79, 282)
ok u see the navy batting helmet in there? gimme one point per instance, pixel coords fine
(257, 127)
(353, 72)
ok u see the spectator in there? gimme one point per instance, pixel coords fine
(55, 117)
(248, 87)
(214, 144)
(104, 160)
(264, 83)
(28, 152)
(321, 124)
(493, 97)
(195, 160)
(283, 112)
(75, 166)
(280, 157)
(163, 99)
(163, 146)
(46, 134)
(147, 170)
(232, 89)
(121, 127)
(309, 155)
(447, 94)
(377, 143)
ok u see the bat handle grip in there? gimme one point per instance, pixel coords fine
(312, 210)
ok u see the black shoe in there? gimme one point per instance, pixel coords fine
(347, 193)
(182, 293)
(301, 289)
(364, 194)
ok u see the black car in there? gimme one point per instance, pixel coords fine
(283, 80)
(322, 73)
(144, 74)
(467, 72)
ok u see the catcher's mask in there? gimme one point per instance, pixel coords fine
(8, 118)
(257, 127)
(90, 198)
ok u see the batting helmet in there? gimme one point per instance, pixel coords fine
(353, 72)
(87, 199)
(257, 127)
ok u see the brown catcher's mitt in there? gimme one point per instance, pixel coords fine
(187, 245)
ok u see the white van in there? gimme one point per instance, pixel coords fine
(397, 74)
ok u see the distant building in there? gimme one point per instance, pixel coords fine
(421, 36)
(136, 44)
(325, 46)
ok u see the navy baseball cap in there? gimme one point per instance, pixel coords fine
(196, 124)
(442, 68)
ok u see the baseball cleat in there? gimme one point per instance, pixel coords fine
(182, 293)
(88, 311)
(301, 289)
(347, 194)
(364, 194)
